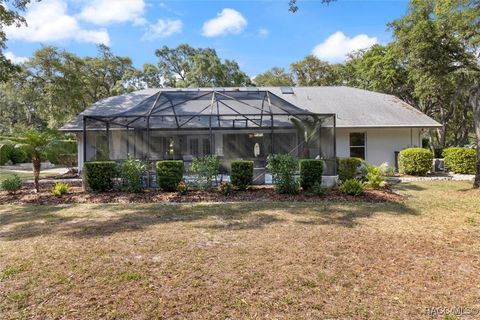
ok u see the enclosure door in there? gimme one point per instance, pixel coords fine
(247, 146)
(199, 145)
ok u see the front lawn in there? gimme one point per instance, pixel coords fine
(344, 260)
(28, 174)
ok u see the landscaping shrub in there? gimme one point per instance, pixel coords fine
(182, 188)
(347, 168)
(5, 153)
(60, 147)
(205, 168)
(225, 188)
(241, 174)
(386, 170)
(59, 189)
(310, 173)
(68, 160)
(460, 160)
(169, 174)
(415, 161)
(374, 178)
(352, 187)
(319, 190)
(12, 184)
(283, 168)
(99, 175)
(19, 155)
(132, 172)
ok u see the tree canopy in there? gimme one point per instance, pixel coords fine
(185, 66)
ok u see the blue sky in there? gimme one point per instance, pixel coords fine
(257, 34)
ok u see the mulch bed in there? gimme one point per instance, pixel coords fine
(260, 194)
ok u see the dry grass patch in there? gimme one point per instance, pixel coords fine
(243, 260)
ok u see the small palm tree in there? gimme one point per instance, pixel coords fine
(36, 143)
(309, 128)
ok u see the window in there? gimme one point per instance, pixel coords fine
(199, 145)
(357, 145)
(194, 147)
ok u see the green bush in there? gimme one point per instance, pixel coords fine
(12, 184)
(283, 168)
(347, 168)
(374, 178)
(68, 160)
(99, 175)
(132, 172)
(352, 187)
(59, 189)
(386, 170)
(19, 155)
(241, 174)
(319, 190)
(205, 168)
(182, 188)
(460, 160)
(415, 161)
(225, 188)
(169, 174)
(60, 147)
(5, 153)
(310, 173)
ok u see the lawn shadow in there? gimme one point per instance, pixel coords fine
(407, 186)
(28, 213)
(26, 222)
(347, 215)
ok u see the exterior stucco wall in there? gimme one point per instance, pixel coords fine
(381, 143)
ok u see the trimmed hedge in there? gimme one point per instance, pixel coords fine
(60, 148)
(460, 160)
(415, 161)
(241, 174)
(99, 175)
(169, 174)
(310, 173)
(347, 168)
(18, 155)
(8, 152)
(5, 153)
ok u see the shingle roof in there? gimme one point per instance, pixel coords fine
(354, 107)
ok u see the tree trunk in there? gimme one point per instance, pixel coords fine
(475, 101)
(36, 162)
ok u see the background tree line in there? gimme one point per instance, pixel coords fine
(432, 63)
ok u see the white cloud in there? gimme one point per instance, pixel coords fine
(15, 59)
(48, 21)
(162, 29)
(104, 12)
(263, 33)
(227, 21)
(338, 45)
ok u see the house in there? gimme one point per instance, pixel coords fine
(249, 123)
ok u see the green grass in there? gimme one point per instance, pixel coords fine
(24, 174)
(335, 260)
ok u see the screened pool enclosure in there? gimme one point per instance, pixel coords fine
(245, 124)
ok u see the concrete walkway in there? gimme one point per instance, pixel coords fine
(436, 177)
